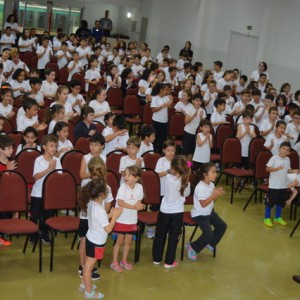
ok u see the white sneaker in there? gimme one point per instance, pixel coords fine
(150, 232)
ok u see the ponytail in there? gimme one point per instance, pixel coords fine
(202, 171)
(182, 167)
(51, 111)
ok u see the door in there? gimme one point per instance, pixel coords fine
(143, 32)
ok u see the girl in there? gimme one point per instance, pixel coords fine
(208, 77)
(106, 52)
(194, 87)
(144, 83)
(113, 79)
(54, 114)
(75, 99)
(126, 77)
(159, 78)
(186, 85)
(6, 106)
(286, 91)
(17, 63)
(170, 216)
(297, 98)
(18, 84)
(281, 102)
(61, 130)
(85, 125)
(193, 115)
(30, 136)
(262, 68)
(129, 197)
(122, 64)
(227, 79)
(203, 213)
(100, 106)
(92, 75)
(92, 197)
(26, 43)
(4, 59)
(185, 102)
(160, 103)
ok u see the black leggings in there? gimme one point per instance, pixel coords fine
(161, 134)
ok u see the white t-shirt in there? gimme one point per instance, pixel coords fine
(90, 75)
(291, 129)
(173, 202)
(222, 82)
(194, 124)
(125, 162)
(276, 142)
(19, 65)
(41, 165)
(218, 75)
(144, 148)
(144, 84)
(83, 51)
(98, 219)
(109, 79)
(136, 70)
(181, 107)
(266, 125)
(62, 62)
(144, 59)
(7, 39)
(77, 69)
(118, 142)
(114, 59)
(14, 26)
(161, 115)
(49, 88)
(51, 126)
(202, 192)
(237, 106)
(66, 144)
(255, 75)
(42, 61)
(5, 110)
(23, 122)
(16, 84)
(202, 153)
(67, 106)
(217, 117)
(210, 106)
(129, 196)
(204, 88)
(162, 165)
(100, 108)
(71, 100)
(245, 141)
(28, 42)
(21, 147)
(278, 179)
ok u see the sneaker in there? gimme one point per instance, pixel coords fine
(46, 240)
(210, 248)
(93, 295)
(127, 266)
(95, 276)
(82, 287)
(116, 267)
(280, 221)
(268, 222)
(4, 242)
(191, 253)
(156, 262)
(173, 265)
(80, 268)
(150, 232)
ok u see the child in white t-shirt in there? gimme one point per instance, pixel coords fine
(227, 79)
(84, 52)
(229, 99)
(43, 54)
(148, 136)
(185, 102)
(6, 106)
(75, 99)
(74, 66)
(63, 55)
(61, 131)
(36, 94)
(218, 117)
(54, 114)
(29, 140)
(92, 75)
(18, 84)
(261, 107)
(210, 97)
(268, 125)
(218, 73)
(49, 86)
(239, 107)
(293, 128)
(100, 105)
(7, 39)
(113, 78)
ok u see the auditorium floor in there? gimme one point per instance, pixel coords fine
(253, 262)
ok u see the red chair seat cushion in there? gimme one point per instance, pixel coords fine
(117, 111)
(17, 226)
(215, 157)
(64, 223)
(236, 172)
(187, 219)
(148, 218)
(133, 120)
(263, 187)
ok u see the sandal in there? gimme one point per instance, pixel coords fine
(82, 287)
(124, 264)
(93, 295)
(116, 267)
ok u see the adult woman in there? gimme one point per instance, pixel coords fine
(187, 49)
(262, 68)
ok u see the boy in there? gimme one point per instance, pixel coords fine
(74, 66)
(239, 107)
(75, 99)
(137, 68)
(63, 55)
(43, 165)
(114, 57)
(117, 136)
(84, 52)
(172, 63)
(291, 108)
(262, 82)
(43, 54)
(146, 57)
(278, 166)
(218, 117)
(241, 85)
(7, 39)
(133, 147)
(293, 128)
(36, 94)
(30, 107)
(172, 77)
(262, 111)
(198, 77)
(268, 125)
(180, 64)
(148, 136)
(49, 87)
(210, 97)
(218, 73)
(256, 100)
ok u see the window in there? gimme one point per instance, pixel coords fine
(1, 12)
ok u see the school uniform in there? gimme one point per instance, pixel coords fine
(276, 142)
(66, 144)
(144, 148)
(91, 75)
(245, 141)
(210, 99)
(51, 126)
(255, 75)
(291, 129)
(5, 110)
(23, 122)
(49, 88)
(63, 61)
(144, 59)
(181, 107)
(67, 106)
(202, 153)
(42, 61)
(288, 119)
(77, 69)
(238, 106)
(15, 66)
(83, 51)
(114, 59)
(125, 162)
(136, 70)
(28, 43)
(109, 79)
(118, 142)
(72, 99)
(222, 82)
(266, 125)
(217, 117)
(15, 85)
(82, 130)
(145, 84)
(218, 75)
(162, 165)
(100, 108)
(21, 147)
(38, 97)
(7, 39)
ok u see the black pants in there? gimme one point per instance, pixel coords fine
(167, 223)
(38, 214)
(209, 236)
(161, 134)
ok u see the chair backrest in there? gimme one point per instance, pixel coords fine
(230, 119)
(33, 62)
(176, 124)
(17, 136)
(8, 125)
(147, 114)
(94, 87)
(13, 199)
(53, 66)
(294, 158)
(151, 185)
(150, 159)
(261, 161)
(71, 161)
(59, 190)
(256, 130)
(189, 200)
(63, 76)
(80, 77)
(115, 97)
(18, 101)
(27, 58)
(99, 126)
(171, 111)
(113, 161)
(25, 160)
(231, 151)
(255, 146)
(132, 91)
(113, 182)
(41, 114)
(71, 137)
(82, 144)
(131, 105)
(223, 132)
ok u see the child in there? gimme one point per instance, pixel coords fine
(75, 99)
(291, 108)
(210, 97)
(262, 113)
(129, 197)
(43, 54)
(133, 146)
(114, 57)
(204, 143)
(256, 99)
(229, 99)
(92, 75)
(218, 117)
(193, 116)
(30, 107)
(54, 114)
(180, 64)
(84, 52)
(147, 134)
(203, 213)
(7, 39)
(170, 216)
(185, 102)
(18, 85)
(100, 105)
(61, 131)
(262, 82)
(293, 128)
(63, 55)
(240, 86)
(93, 196)
(116, 134)
(85, 125)
(96, 146)
(74, 66)
(281, 102)
(43, 165)
(268, 125)
(6, 106)
(172, 71)
(137, 68)
(218, 73)
(49, 87)
(113, 79)
(226, 80)
(245, 133)
(29, 140)
(239, 107)
(36, 94)
(278, 166)
(276, 138)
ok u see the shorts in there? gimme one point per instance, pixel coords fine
(188, 143)
(125, 228)
(93, 250)
(83, 227)
(276, 197)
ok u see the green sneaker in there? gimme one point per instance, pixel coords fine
(280, 221)
(268, 222)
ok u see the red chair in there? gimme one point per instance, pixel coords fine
(223, 132)
(82, 144)
(230, 119)
(256, 129)
(113, 182)
(41, 114)
(113, 161)
(18, 101)
(115, 100)
(17, 136)
(171, 111)
(71, 161)
(71, 137)
(41, 133)
(60, 192)
(80, 77)
(94, 87)
(260, 174)
(147, 114)
(63, 76)
(15, 200)
(131, 109)
(99, 126)
(150, 159)
(13, 119)
(151, 184)
(48, 102)
(256, 145)
(8, 125)
(294, 158)
(53, 66)
(33, 62)
(176, 127)
(27, 56)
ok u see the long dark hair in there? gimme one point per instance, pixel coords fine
(202, 171)
(179, 165)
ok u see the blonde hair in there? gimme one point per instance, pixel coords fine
(14, 51)
(60, 90)
(97, 168)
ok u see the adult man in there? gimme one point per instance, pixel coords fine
(106, 24)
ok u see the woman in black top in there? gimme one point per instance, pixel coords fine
(187, 49)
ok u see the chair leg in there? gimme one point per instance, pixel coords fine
(193, 234)
(215, 252)
(294, 229)
(51, 250)
(218, 179)
(139, 237)
(232, 188)
(36, 240)
(249, 200)
(136, 247)
(74, 240)
(182, 241)
(25, 244)
(40, 254)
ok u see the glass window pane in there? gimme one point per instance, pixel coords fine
(75, 19)
(60, 16)
(1, 12)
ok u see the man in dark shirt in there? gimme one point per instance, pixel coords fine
(97, 32)
(106, 24)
